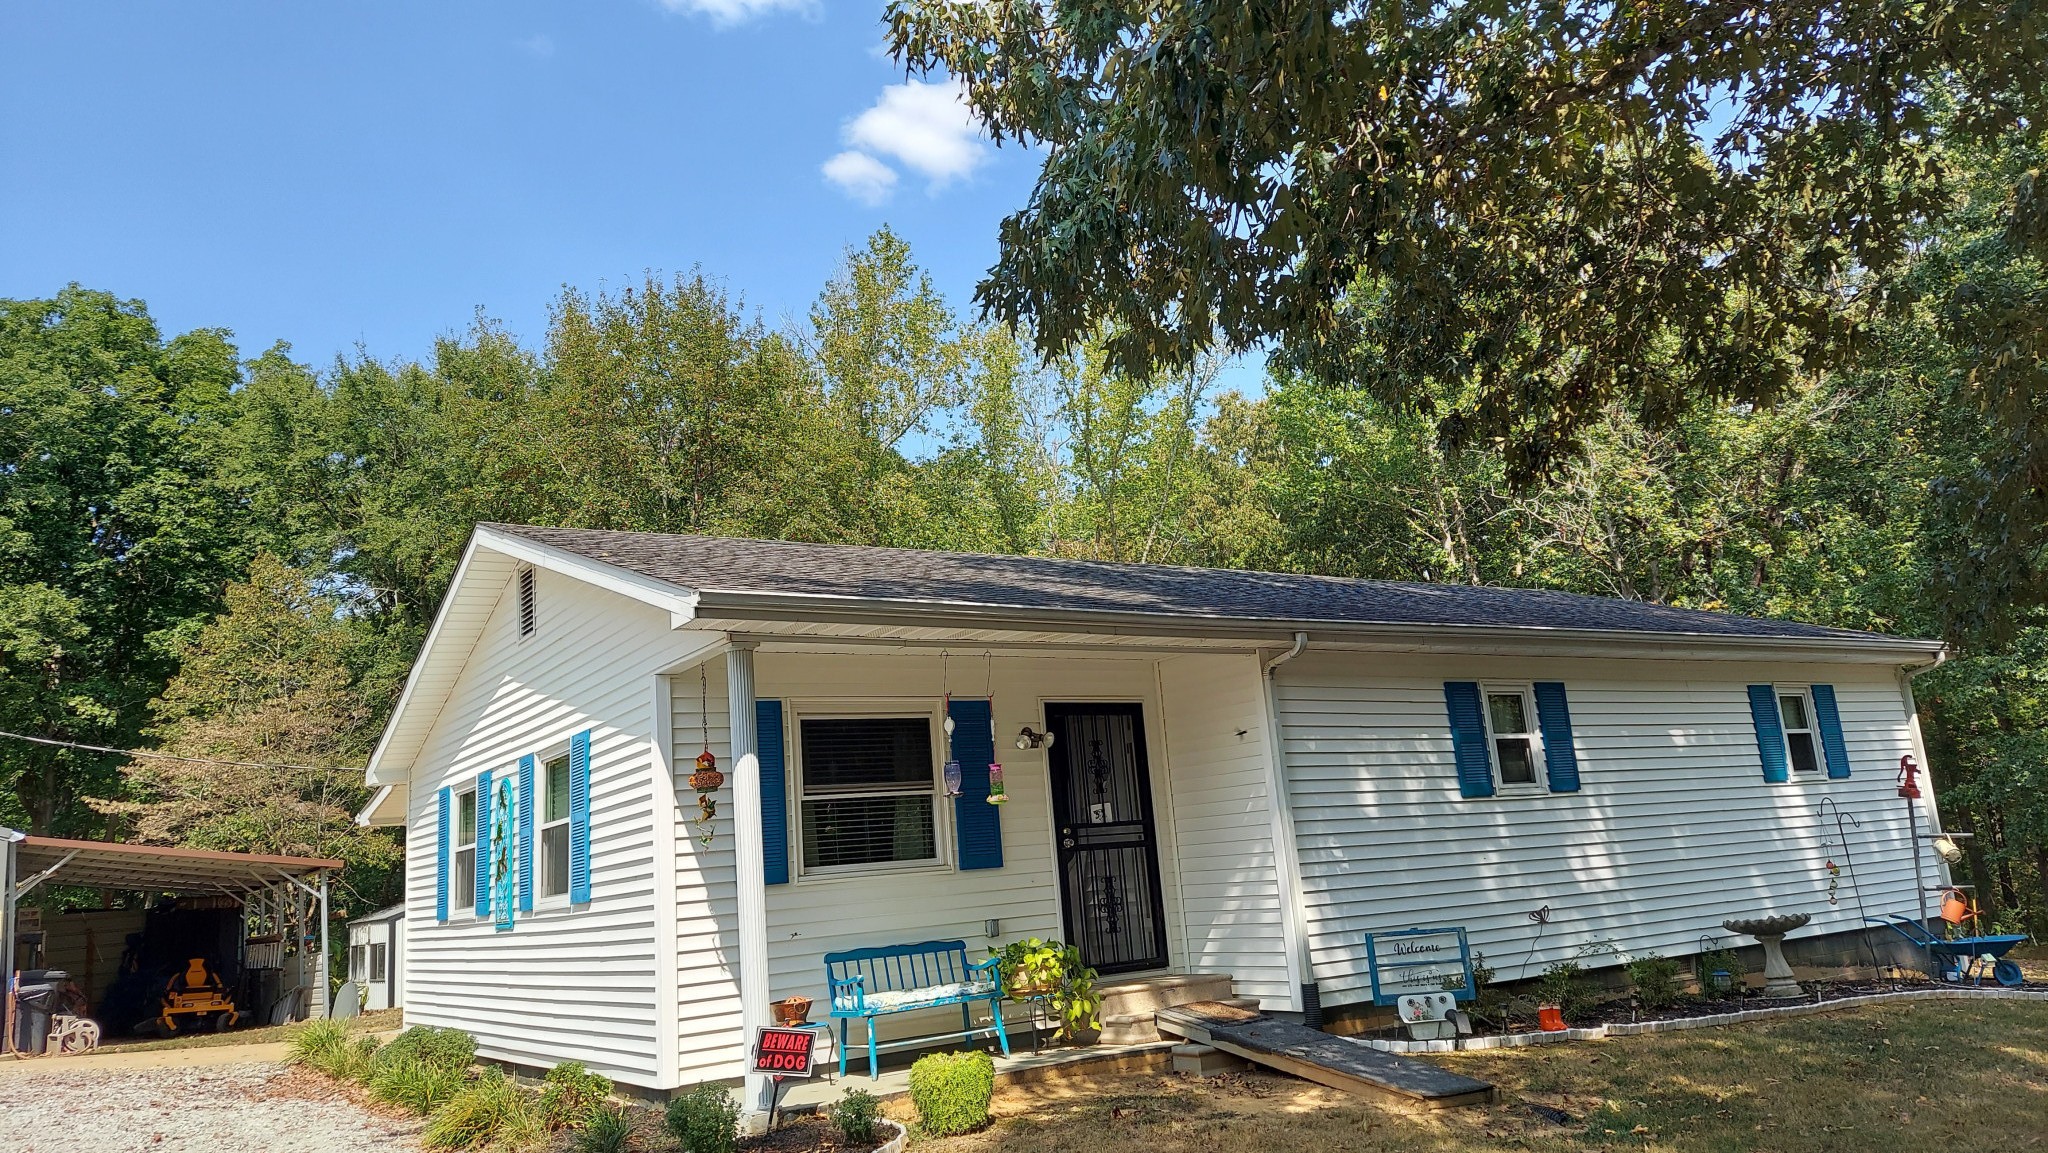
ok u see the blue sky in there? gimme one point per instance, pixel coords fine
(373, 173)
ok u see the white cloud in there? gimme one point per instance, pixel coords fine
(538, 45)
(926, 127)
(861, 176)
(726, 13)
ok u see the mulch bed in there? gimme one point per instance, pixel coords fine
(1624, 1010)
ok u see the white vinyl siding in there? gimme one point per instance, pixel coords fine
(811, 916)
(1217, 743)
(565, 984)
(1673, 831)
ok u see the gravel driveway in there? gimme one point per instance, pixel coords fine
(243, 1108)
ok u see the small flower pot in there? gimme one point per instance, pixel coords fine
(791, 1011)
(1550, 1018)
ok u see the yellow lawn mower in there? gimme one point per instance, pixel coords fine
(196, 997)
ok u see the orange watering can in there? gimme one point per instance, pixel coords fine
(1956, 908)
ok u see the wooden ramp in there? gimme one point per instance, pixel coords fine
(1384, 1078)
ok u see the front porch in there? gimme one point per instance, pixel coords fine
(1129, 1042)
(1144, 831)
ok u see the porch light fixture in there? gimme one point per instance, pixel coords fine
(1028, 739)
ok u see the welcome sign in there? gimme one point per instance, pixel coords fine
(1405, 962)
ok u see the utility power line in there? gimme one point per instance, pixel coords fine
(168, 757)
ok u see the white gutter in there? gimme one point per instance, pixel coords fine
(721, 610)
(1286, 854)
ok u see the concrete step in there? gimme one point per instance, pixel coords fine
(1204, 1061)
(1147, 995)
(1128, 1029)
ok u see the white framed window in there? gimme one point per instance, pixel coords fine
(867, 790)
(552, 834)
(355, 962)
(377, 962)
(1802, 738)
(462, 892)
(1512, 742)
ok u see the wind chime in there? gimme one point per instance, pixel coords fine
(952, 770)
(707, 780)
(996, 796)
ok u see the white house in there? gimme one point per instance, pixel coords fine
(1248, 774)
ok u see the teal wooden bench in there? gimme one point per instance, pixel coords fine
(869, 983)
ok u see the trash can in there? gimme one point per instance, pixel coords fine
(36, 999)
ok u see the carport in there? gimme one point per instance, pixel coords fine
(282, 903)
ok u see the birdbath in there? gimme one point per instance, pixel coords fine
(1770, 931)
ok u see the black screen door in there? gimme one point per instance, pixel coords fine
(1107, 853)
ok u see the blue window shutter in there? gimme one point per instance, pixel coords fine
(977, 824)
(1554, 717)
(1468, 738)
(483, 843)
(1770, 732)
(579, 818)
(1830, 720)
(526, 833)
(774, 791)
(441, 856)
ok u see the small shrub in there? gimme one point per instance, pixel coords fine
(1721, 961)
(855, 1115)
(413, 1085)
(569, 1094)
(315, 1041)
(1489, 1004)
(951, 1092)
(604, 1130)
(442, 1048)
(490, 1110)
(1564, 985)
(705, 1120)
(354, 1062)
(1655, 979)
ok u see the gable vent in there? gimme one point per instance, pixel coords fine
(526, 602)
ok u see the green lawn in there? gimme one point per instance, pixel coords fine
(1928, 1074)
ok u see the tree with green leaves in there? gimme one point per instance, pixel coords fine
(115, 535)
(1502, 216)
(267, 705)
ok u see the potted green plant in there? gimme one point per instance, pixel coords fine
(1033, 969)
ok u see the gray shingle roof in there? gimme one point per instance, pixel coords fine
(910, 577)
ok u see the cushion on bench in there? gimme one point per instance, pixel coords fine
(898, 1000)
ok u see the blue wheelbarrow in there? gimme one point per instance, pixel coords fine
(1960, 958)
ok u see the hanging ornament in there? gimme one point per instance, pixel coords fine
(995, 771)
(707, 780)
(945, 666)
(952, 778)
(1834, 882)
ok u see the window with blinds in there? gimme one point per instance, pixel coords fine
(868, 792)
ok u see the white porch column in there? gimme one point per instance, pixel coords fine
(749, 860)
